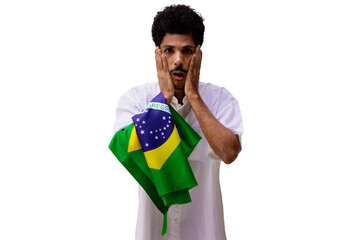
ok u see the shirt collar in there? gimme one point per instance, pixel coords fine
(183, 109)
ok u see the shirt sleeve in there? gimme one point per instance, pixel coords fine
(134, 101)
(126, 108)
(228, 112)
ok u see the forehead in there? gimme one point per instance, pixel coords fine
(178, 40)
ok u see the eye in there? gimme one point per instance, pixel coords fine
(188, 50)
(168, 50)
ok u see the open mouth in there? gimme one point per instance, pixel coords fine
(179, 75)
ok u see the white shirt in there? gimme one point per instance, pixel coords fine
(203, 218)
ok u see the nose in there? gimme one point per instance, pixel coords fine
(178, 59)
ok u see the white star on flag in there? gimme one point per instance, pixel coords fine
(142, 131)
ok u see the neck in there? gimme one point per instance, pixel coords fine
(180, 94)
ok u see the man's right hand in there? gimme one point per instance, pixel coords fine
(165, 81)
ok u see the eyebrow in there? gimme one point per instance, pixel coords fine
(187, 46)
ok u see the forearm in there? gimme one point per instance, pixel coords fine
(221, 139)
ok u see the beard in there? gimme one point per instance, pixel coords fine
(179, 87)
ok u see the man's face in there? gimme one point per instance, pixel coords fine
(178, 50)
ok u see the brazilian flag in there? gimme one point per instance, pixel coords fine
(154, 149)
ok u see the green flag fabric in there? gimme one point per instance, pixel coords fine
(155, 150)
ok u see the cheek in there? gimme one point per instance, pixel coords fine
(170, 61)
(187, 61)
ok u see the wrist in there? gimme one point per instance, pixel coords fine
(168, 98)
(194, 96)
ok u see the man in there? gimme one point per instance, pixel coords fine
(210, 110)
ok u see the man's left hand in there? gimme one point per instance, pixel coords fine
(192, 78)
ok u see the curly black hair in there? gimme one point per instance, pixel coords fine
(180, 19)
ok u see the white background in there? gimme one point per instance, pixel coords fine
(293, 66)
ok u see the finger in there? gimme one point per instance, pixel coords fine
(192, 63)
(198, 58)
(158, 59)
(164, 63)
(200, 53)
(163, 60)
